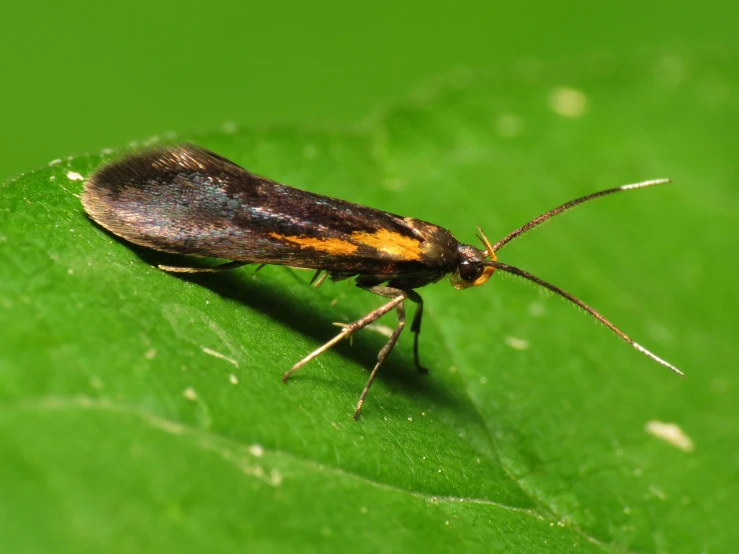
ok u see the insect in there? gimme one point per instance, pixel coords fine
(184, 199)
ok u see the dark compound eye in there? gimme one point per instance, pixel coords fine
(469, 271)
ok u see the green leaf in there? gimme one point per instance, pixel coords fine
(144, 412)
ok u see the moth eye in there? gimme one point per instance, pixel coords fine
(469, 271)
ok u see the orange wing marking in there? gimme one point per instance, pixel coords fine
(393, 244)
(336, 247)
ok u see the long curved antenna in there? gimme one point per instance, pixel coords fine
(571, 204)
(584, 306)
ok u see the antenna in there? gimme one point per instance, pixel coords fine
(584, 306)
(571, 204)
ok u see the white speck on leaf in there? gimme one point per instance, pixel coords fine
(256, 450)
(568, 102)
(670, 433)
(190, 393)
(74, 176)
(516, 343)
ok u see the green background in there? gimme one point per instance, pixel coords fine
(80, 76)
(142, 412)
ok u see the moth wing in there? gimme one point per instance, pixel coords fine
(186, 200)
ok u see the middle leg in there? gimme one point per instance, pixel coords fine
(397, 297)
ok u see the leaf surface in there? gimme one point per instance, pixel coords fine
(141, 411)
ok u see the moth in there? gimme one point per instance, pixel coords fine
(183, 199)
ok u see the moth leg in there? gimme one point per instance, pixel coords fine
(416, 327)
(400, 309)
(212, 269)
(349, 330)
(318, 278)
(397, 297)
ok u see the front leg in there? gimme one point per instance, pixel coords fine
(390, 344)
(397, 297)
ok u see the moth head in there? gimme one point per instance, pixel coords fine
(472, 271)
